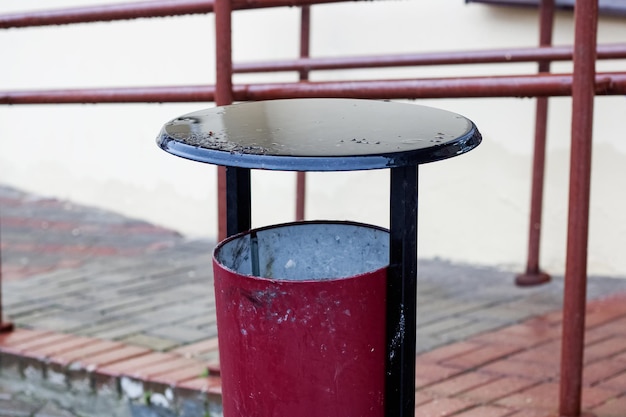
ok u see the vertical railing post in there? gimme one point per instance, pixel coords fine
(533, 274)
(574, 303)
(305, 43)
(223, 53)
(5, 326)
(233, 183)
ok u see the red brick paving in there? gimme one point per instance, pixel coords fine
(510, 372)
(71, 344)
(486, 354)
(545, 397)
(606, 348)
(198, 348)
(498, 388)
(486, 411)
(530, 413)
(613, 408)
(209, 384)
(617, 382)
(541, 354)
(78, 355)
(24, 347)
(20, 335)
(461, 383)
(79, 235)
(430, 373)
(603, 370)
(443, 407)
(113, 356)
(135, 365)
(513, 372)
(163, 367)
(448, 352)
(175, 377)
(533, 332)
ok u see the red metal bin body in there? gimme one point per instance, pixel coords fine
(301, 320)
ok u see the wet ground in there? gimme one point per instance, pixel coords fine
(86, 272)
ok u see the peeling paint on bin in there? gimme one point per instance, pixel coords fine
(306, 336)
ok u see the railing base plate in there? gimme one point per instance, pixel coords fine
(529, 279)
(6, 327)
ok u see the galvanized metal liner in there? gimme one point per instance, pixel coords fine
(306, 251)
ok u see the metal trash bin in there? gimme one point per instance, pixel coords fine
(301, 320)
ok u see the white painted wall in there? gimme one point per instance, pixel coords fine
(473, 208)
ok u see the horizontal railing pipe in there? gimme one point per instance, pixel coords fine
(104, 13)
(134, 10)
(536, 85)
(560, 53)
(111, 95)
(475, 87)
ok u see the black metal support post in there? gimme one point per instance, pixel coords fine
(402, 294)
(238, 200)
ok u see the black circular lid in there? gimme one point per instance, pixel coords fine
(319, 135)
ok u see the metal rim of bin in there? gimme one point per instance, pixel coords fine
(254, 233)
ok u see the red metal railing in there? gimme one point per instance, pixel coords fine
(124, 11)
(574, 302)
(535, 85)
(4, 325)
(533, 274)
(496, 56)
(305, 44)
(583, 84)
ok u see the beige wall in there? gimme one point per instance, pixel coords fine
(473, 208)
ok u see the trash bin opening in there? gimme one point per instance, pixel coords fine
(306, 251)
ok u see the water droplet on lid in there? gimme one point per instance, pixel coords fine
(411, 141)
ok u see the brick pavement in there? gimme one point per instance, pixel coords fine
(124, 307)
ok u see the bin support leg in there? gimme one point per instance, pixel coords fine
(401, 294)
(238, 200)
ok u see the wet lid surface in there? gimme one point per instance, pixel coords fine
(319, 135)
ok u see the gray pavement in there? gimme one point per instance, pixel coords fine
(85, 271)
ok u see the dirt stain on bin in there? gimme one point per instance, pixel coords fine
(269, 265)
(264, 299)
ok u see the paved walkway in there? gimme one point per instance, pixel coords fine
(121, 312)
